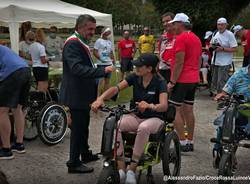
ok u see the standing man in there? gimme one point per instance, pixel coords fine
(225, 44)
(14, 90)
(146, 43)
(244, 35)
(184, 78)
(126, 52)
(165, 46)
(54, 44)
(79, 90)
(103, 51)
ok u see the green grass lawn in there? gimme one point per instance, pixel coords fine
(124, 96)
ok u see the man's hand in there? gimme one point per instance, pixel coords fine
(219, 96)
(96, 105)
(219, 49)
(170, 87)
(142, 106)
(109, 69)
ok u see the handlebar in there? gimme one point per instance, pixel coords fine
(235, 98)
(120, 108)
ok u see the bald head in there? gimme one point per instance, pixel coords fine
(126, 35)
(146, 30)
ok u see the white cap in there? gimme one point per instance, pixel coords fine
(105, 31)
(208, 34)
(222, 20)
(180, 17)
(237, 28)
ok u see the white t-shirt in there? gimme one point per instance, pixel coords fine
(37, 50)
(54, 47)
(24, 47)
(227, 40)
(104, 48)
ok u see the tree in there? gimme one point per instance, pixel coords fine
(243, 18)
(124, 12)
(203, 14)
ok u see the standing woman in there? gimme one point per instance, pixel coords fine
(25, 27)
(40, 65)
(103, 51)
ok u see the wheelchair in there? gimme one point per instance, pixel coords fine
(162, 147)
(45, 118)
(235, 128)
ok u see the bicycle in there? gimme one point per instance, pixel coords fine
(232, 134)
(163, 146)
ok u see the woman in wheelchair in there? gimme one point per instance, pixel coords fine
(150, 97)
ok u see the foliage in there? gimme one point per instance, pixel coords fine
(124, 12)
(203, 13)
(243, 18)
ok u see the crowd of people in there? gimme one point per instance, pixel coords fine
(171, 77)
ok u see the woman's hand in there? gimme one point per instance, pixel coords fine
(142, 106)
(96, 105)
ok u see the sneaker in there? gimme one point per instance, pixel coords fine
(191, 147)
(122, 176)
(130, 179)
(184, 148)
(6, 154)
(18, 148)
(89, 157)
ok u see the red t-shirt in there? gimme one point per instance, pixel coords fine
(190, 44)
(246, 40)
(166, 45)
(126, 48)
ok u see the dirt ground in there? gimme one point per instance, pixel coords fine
(44, 164)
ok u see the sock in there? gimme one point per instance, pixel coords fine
(6, 149)
(183, 142)
(122, 175)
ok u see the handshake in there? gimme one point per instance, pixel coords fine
(109, 69)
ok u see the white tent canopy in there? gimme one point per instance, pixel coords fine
(44, 13)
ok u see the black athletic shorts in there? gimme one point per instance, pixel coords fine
(14, 89)
(126, 65)
(183, 93)
(41, 73)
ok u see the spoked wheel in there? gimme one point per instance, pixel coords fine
(225, 168)
(30, 130)
(109, 175)
(52, 124)
(171, 156)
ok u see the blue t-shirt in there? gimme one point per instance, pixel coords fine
(239, 83)
(9, 62)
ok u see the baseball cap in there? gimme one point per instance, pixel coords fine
(146, 60)
(208, 34)
(237, 28)
(222, 20)
(180, 17)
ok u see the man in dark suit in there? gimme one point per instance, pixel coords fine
(79, 90)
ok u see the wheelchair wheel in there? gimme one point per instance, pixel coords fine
(52, 124)
(171, 155)
(225, 168)
(109, 175)
(30, 130)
